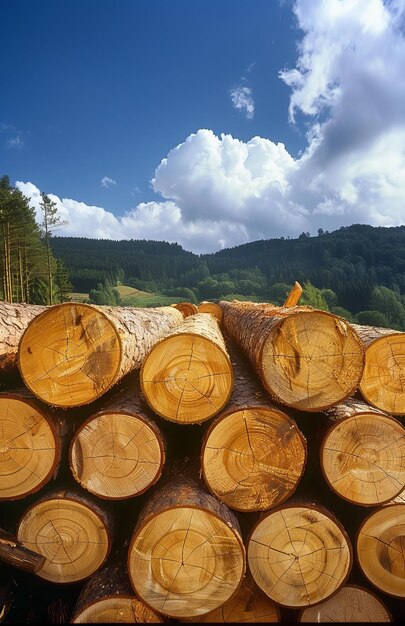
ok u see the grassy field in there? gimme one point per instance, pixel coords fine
(132, 297)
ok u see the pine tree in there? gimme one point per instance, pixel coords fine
(51, 219)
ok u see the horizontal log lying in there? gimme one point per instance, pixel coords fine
(71, 530)
(18, 555)
(14, 319)
(186, 555)
(362, 454)
(307, 359)
(119, 451)
(299, 554)
(253, 454)
(383, 380)
(187, 377)
(72, 353)
(349, 605)
(380, 549)
(31, 444)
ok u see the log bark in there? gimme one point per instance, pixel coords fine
(186, 555)
(299, 554)
(361, 454)
(380, 548)
(211, 307)
(71, 530)
(118, 452)
(31, 444)
(307, 359)
(187, 377)
(253, 455)
(72, 353)
(108, 598)
(248, 605)
(14, 319)
(350, 605)
(383, 380)
(14, 553)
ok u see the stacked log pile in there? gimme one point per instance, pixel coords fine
(231, 462)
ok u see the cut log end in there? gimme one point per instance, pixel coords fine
(312, 361)
(69, 355)
(361, 458)
(187, 377)
(254, 458)
(383, 380)
(299, 556)
(117, 610)
(116, 455)
(186, 308)
(185, 562)
(380, 549)
(350, 605)
(211, 307)
(29, 448)
(71, 536)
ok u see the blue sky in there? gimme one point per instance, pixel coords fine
(207, 122)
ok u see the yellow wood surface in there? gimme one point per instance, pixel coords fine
(185, 562)
(117, 610)
(71, 536)
(299, 556)
(349, 605)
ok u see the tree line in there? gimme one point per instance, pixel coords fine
(29, 271)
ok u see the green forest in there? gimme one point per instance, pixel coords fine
(356, 271)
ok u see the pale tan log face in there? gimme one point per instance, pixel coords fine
(212, 308)
(349, 605)
(28, 449)
(72, 538)
(383, 380)
(115, 455)
(298, 556)
(254, 458)
(313, 361)
(185, 562)
(363, 458)
(70, 355)
(381, 549)
(187, 378)
(117, 610)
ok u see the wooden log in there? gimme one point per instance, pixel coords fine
(14, 319)
(248, 605)
(349, 605)
(187, 308)
(299, 554)
(211, 307)
(108, 598)
(71, 530)
(14, 553)
(72, 353)
(380, 549)
(186, 555)
(362, 454)
(383, 381)
(253, 455)
(307, 359)
(187, 376)
(119, 451)
(30, 444)
(294, 295)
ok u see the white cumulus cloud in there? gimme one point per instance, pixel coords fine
(218, 191)
(241, 98)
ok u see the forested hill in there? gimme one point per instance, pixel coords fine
(350, 261)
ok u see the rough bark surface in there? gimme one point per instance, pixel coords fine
(14, 319)
(73, 353)
(306, 358)
(14, 553)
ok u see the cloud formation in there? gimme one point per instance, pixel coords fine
(241, 98)
(106, 182)
(347, 87)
